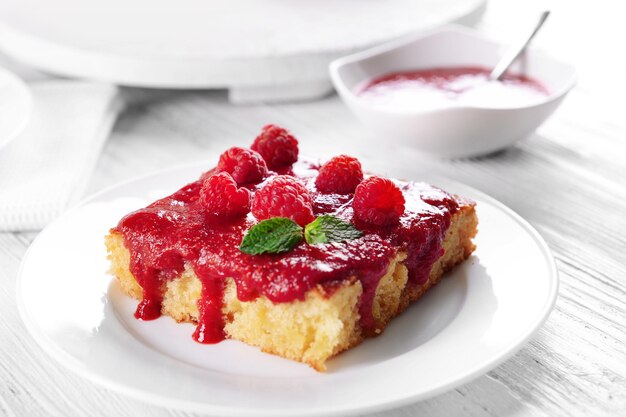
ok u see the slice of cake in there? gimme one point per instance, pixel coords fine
(301, 259)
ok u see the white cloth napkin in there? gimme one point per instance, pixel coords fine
(47, 167)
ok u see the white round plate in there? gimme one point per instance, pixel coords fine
(210, 44)
(477, 317)
(15, 106)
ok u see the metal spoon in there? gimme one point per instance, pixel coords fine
(513, 52)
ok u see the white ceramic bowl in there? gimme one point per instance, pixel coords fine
(458, 131)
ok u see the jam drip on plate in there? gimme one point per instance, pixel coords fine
(175, 233)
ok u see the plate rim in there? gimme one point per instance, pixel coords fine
(66, 360)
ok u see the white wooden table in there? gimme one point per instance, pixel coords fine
(568, 180)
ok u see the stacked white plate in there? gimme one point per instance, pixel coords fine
(259, 50)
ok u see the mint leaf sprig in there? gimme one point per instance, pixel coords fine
(329, 228)
(280, 234)
(275, 235)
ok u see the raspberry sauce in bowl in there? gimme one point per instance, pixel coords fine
(429, 90)
(426, 89)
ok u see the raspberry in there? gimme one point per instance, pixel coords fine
(284, 196)
(244, 165)
(340, 175)
(378, 201)
(220, 196)
(277, 146)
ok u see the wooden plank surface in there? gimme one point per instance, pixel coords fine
(568, 180)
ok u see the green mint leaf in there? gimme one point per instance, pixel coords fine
(275, 235)
(329, 228)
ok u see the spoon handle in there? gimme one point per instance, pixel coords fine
(513, 52)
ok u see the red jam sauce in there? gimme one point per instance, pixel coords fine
(176, 231)
(449, 87)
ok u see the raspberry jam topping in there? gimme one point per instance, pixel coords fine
(178, 232)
